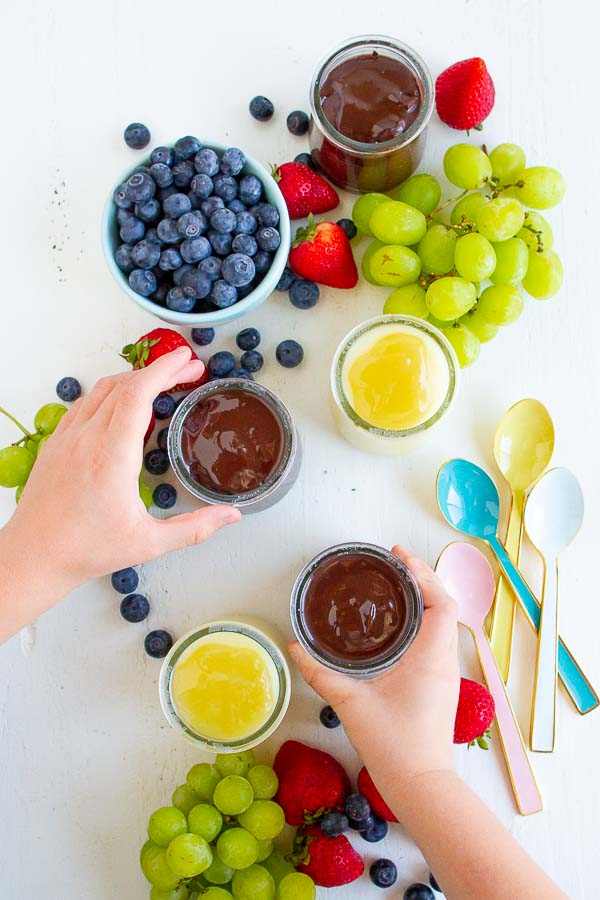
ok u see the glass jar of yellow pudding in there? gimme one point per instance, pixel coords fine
(393, 379)
(225, 686)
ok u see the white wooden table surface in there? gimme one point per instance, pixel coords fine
(84, 752)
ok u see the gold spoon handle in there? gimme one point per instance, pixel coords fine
(503, 610)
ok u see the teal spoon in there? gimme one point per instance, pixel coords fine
(469, 501)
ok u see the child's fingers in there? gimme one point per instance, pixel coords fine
(434, 593)
(189, 529)
(333, 687)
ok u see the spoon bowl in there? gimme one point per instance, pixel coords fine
(554, 512)
(524, 443)
(468, 499)
(468, 578)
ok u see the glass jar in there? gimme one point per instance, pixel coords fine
(444, 377)
(363, 166)
(378, 661)
(281, 479)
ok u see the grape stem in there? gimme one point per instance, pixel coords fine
(498, 189)
(16, 421)
(538, 236)
(446, 203)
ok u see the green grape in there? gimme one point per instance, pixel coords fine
(206, 821)
(264, 819)
(512, 259)
(15, 465)
(188, 855)
(436, 250)
(278, 865)
(407, 301)
(500, 304)
(233, 795)
(467, 208)
(508, 162)
(544, 275)
(398, 223)
(32, 445)
(422, 191)
(217, 872)
(202, 780)
(165, 824)
(395, 266)
(215, 893)
(48, 417)
(475, 258)
(365, 264)
(42, 442)
(467, 166)
(184, 799)
(265, 848)
(296, 886)
(178, 893)
(500, 219)
(155, 868)
(237, 848)
(253, 883)
(450, 298)
(542, 187)
(438, 323)
(264, 782)
(536, 232)
(363, 210)
(466, 346)
(146, 847)
(234, 763)
(479, 326)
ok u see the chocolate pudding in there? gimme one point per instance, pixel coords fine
(232, 441)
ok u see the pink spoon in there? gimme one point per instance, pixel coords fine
(468, 577)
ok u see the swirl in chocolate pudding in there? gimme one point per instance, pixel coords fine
(231, 441)
(371, 98)
(355, 606)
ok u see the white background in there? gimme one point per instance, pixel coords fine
(84, 752)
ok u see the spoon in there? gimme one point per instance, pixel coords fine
(468, 500)
(468, 577)
(523, 447)
(553, 516)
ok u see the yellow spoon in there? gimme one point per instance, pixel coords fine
(523, 447)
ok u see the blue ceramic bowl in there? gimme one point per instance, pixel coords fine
(111, 240)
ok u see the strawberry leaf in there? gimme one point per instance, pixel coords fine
(306, 233)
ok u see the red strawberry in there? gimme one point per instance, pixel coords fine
(148, 434)
(288, 754)
(309, 781)
(378, 805)
(322, 252)
(304, 190)
(474, 715)
(330, 862)
(155, 344)
(464, 94)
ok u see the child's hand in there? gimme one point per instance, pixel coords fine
(402, 722)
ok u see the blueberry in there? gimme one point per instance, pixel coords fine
(221, 363)
(160, 294)
(176, 205)
(143, 282)
(225, 186)
(162, 174)
(146, 254)
(221, 243)
(297, 122)
(383, 873)
(357, 807)
(236, 206)
(304, 294)
(195, 249)
(267, 215)
(156, 461)
(223, 221)
(211, 204)
(306, 160)
(181, 299)
(261, 108)
(195, 201)
(201, 186)
(123, 215)
(123, 258)
(348, 227)
(418, 891)
(245, 223)
(152, 235)
(191, 224)
(167, 231)
(137, 136)
(232, 161)
(134, 608)
(286, 281)
(125, 581)
(162, 155)
(206, 162)
(333, 824)
(183, 172)
(375, 831)
(329, 718)
(198, 282)
(238, 269)
(289, 354)
(186, 147)
(247, 288)
(223, 294)
(180, 272)
(158, 643)
(148, 211)
(68, 389)
(165, 192)
(162, 438)
(164, 406)
(132, 230)
(262, 261)
(203, 336)
(140, 187)
(250, 189)
(248, 338)
(120, 197)
(211, 266)
(268, 238)
(238, 372)
(434, 883)
(244, 243)
(252, 361)
(170, 260)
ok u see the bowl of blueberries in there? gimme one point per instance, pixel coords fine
(199, 234)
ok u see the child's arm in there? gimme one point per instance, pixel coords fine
(80, 515)
(411, 710)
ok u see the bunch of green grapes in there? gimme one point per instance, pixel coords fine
(17, 461)
(465, 276)
(217, 837)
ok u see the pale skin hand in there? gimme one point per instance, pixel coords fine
(401, 725)
(80, 515)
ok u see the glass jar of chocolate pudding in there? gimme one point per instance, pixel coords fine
(371, 101)
(356, 608)
(233, 441)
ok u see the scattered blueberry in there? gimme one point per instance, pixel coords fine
(306, 160)
(120, 197)
(183, 172)
(418, 891)
(186, 147)
(143, 282)
(333, 824)
(304, 294)
(223, 294)
(383, 873)
(134, 608)
(158, 643)
(148, 211)
(180, 272)
(132, 230)
(137, 136)
(201, 186)
(348, 227)
(140, 187)
(162, 174)
(248, 338)
(329, 718)
(167, 230)
(221, 243)
(262, 261)
(162, 438)
(252, 361)
(220, 364)
(176, 205)
(261, 108)
(268, 238)
(123, 258)
(250, 189)
(164, 496)
(286, 281)
(357, 807)
(181, 299)
(146, 254)
(232, 162)
(156, 462)
(245, 222)
(223, 221)
(289, 354)
(267, 215)
(434, 883)
(203, 336)
(125, 581)
(236, 206)
(68, 389)
(209, 205)
(375, 831)
(297, 122)
(170, 260)
(225, 186)
(164, 406)
(198, 282)
(195, 249)
(162, 155)
(244, 243)
(211, 266)
(238, 269)
(191, 224)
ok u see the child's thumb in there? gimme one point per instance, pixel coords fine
(196, 527)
